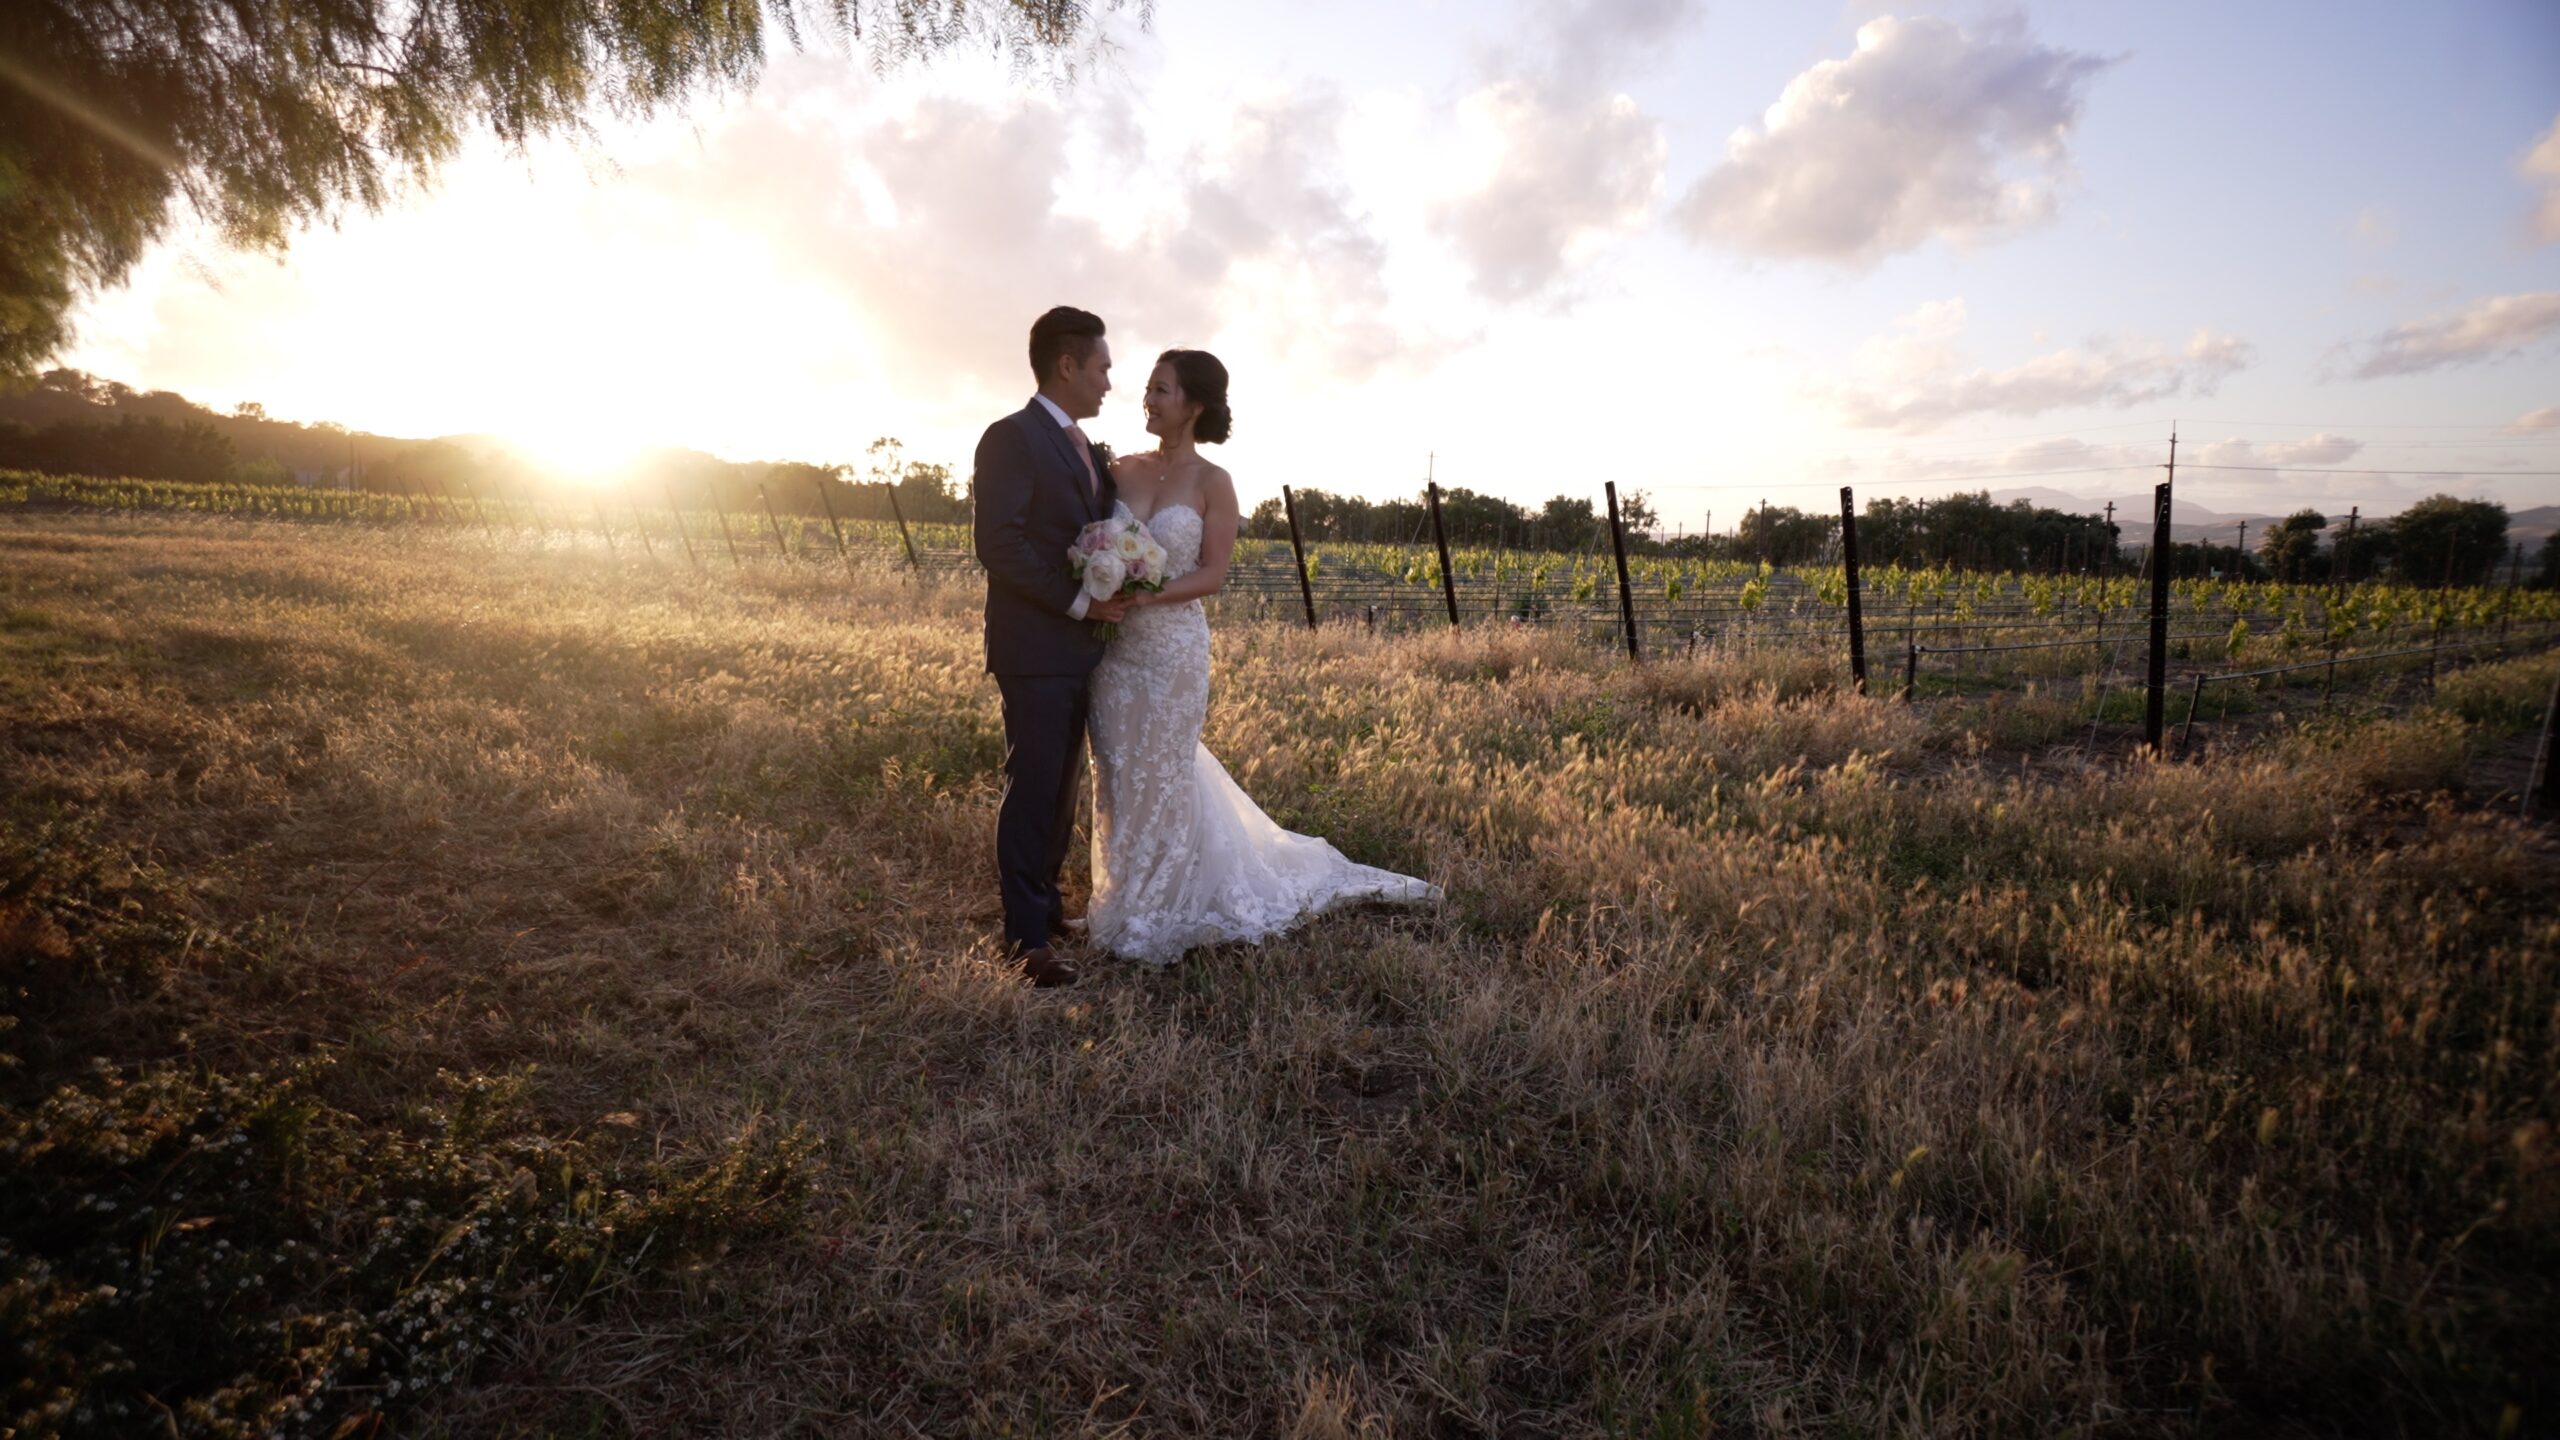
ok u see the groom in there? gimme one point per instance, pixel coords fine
(1039, 482)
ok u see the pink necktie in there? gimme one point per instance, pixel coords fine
(1084, 452)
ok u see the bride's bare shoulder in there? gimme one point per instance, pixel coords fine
(1146, 463)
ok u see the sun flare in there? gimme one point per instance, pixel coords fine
(578, 446)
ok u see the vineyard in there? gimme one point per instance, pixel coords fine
(2075, 642)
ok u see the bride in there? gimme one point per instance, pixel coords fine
(1181, 856)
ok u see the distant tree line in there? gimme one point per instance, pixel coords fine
(2438, 539)
(1565, 522)
(139, 449)
(67, 422)
(1962, 529)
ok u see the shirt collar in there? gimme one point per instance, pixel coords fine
(1054, 411)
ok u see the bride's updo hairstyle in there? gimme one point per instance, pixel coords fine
(1204, 383)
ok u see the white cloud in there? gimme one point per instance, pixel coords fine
(1589, 45)
(2316, 452)
(1914, 379)
(1925, 130)
(1570, 176)
(2542, 163)
(1574, 161)
(2486, 330)
(955, 222)
(2320, 449)
(2535, 421)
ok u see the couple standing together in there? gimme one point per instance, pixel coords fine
(1181, 857)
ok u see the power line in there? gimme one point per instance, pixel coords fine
(2334, 470)
(1923, 480)
(2332, 424)
(2493, 443)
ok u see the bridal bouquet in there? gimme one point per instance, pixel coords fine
(1116, 557)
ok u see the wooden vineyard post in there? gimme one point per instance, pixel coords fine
(1626, 595)
(640, 525)
(681, 532)
(2507, 602)
(2444, 597)
(2542, 791)
(1849, 567)
(829, 505)
(1298, 549)
(456, 510)
(901, 517)
(722, 512)
(2155, 703)
(779, 548)
(2195, 702)
(474, 497)
(604, 525)
(1440, 538)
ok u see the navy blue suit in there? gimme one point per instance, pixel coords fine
(1032, 499)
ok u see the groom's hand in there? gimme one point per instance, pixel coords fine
(1109, 611)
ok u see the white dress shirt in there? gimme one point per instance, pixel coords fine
(1066, 422)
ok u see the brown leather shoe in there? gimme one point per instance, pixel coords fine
(1044, 969)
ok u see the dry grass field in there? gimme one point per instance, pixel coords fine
(509, 992)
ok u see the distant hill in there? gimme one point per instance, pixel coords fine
(2534, 527)
(313, 453)
(2189, 521)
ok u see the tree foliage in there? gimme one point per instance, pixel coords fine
(2291, 547)
(140, 449)
(2443, 540)
(1470, 518)
(265, 116)
(1970, 530)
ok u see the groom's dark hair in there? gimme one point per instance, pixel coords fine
(1062, 332)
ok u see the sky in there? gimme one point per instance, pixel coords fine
(1717, 252)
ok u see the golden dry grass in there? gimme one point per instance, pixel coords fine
(1782, 1063)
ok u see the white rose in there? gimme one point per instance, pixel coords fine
(1103, 574)
(1131, 544)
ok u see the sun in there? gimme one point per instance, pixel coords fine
(580, 444)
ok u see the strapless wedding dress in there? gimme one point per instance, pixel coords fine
(1181, 856)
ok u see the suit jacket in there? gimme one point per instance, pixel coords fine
(1030, 504)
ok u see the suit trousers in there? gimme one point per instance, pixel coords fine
(1044, 724)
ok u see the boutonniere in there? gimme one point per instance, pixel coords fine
(1101, 456)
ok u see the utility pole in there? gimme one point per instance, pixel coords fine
(2242, 564)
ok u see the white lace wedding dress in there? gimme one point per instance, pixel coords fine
(1181, 856)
